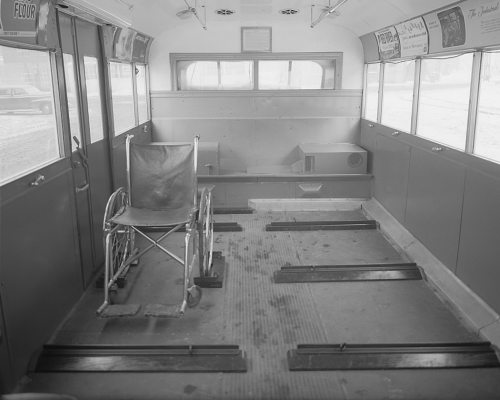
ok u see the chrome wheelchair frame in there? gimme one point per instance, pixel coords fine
(122, 221)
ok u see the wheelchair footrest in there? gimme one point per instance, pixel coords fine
(120, 310)
(163, 311)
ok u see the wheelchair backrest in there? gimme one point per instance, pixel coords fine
(162, 176)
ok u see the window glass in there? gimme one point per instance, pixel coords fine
(93, 98)
(215, 75)
(71, 93)
(487, 142)
(444, 100)
(273, 72)
(398, 95)
(236, 75)
(142, 101)
(372, 90)
(283, 74)
(28, 129)
(122, 96)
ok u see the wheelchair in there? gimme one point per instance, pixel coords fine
(162, 196)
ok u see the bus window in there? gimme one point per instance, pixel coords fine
(487, 141)
(93, 98)
(122, 96)
(298, 74)
(28, 128)
(286, 71)
(398, 95)
(215, 75)
(142, 100)
(444, 100)
(71, 93)
(372, 91)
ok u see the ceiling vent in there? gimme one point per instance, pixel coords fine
(224, 11)
(288, 11)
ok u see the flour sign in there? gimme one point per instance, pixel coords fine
(19, 18)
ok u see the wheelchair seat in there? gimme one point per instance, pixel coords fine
(162, 194)
(132, 216)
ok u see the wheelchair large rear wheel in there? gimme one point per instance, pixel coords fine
(121, 237)
(205, 233)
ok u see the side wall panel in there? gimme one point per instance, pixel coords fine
(434, 204)
(451, 204)
(390, 175)
(40, 275)
(479, 253)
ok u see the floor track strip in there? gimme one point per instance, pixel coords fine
(109, 358)
(321, 225)
(391, 356)
(348, 273)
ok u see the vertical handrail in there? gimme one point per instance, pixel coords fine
(195, 183)
(127, 150)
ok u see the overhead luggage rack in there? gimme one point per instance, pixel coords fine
(330, 357)
(108, 358)
(322, 225)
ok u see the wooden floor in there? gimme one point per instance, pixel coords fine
(267, 319)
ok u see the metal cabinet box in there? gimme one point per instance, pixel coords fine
(332, 158)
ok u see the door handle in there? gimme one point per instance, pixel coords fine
(83, 188)
(39, 179)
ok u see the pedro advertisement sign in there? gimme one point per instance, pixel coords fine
(403, 40)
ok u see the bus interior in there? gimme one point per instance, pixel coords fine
(249, 199)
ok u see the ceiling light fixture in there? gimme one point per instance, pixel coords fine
(326, 12)
(224, 11)
(192, 11)
(288, 11)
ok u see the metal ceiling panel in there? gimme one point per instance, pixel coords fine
(360, 16)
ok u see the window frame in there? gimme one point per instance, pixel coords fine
(135, 96)
(472, 111)
(131, 79)
(337, 58)
(62, 145)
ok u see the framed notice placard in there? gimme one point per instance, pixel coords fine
(256, 40)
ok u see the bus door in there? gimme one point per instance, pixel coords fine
(89, 135)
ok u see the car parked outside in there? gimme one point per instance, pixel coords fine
(25, 97)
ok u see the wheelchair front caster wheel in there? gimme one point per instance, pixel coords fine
(193, 296)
